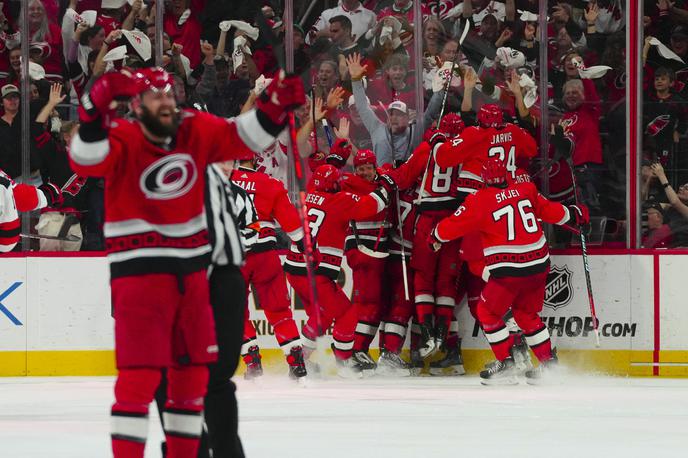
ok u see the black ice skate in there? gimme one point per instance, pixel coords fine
(441, 330)
(391, 365)
(365, 362)
(451, 364)
(417, 363)
(254, 368)
(500, 373)
(426, 346)
(540, 374)
(297, 366)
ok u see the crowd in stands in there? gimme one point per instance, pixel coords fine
(359, 64)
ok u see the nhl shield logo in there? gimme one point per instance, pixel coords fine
(558, 290)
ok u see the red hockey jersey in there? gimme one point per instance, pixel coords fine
(154, 194)
(408, 213)
(372, 232)
(507, 218)
(329, 215)
(272, 205)
(440, 190)
(512, 144)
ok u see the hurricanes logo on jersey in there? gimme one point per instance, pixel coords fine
(169, 177)
(558, 290)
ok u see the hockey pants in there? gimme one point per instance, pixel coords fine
(367, 295)
(525, 295)
(333, 306)
(263, 271)
(221, 412)
(434, 274)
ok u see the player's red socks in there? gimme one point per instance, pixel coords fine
(499, 338)
(182, 417)
(134, 391)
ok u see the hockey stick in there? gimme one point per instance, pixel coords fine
(362, 248)
(444, 106)
(400, 227)
(309, 248)
(66, 238)
(586, 266)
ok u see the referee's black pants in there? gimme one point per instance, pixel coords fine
(227, 297)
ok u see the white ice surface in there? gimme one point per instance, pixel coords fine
(379, 418)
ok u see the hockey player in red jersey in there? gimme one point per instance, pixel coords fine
(517, 258)
(157, 240)
(491, 138)
(263, 269)
(330, 211)
(397, 309)
(366, 250)
(20, 197)
(434, 275)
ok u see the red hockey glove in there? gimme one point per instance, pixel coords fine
(437, 138)
(282, 95)
(579, 214)
(433, 242)
(110, 86)
(387, 182)
(52, 194)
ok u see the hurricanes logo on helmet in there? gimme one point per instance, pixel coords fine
(169, 177)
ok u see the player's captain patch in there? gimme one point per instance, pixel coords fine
(169, 177)
(558, 290)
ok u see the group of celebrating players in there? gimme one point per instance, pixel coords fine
(459, 212)
(459, 218)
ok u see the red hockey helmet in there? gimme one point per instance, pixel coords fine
(490, 115)
(339, 152)
(494, 172)
(365, 156)
(153, 79)
(326, 178)
(451, 125)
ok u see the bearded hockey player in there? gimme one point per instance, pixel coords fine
(157, 238)
(263, 269)
(330, 211)
(517, 258)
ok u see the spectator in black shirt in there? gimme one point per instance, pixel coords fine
(10, 132)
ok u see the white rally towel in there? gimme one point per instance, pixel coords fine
(140, 42)
(510, 58)
(115, 54)
(87, 17)
(664, 51)
(439, 81)
(245, 27)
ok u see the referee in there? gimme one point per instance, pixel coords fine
(231, 214)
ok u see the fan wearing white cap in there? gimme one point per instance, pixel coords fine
(394, 140)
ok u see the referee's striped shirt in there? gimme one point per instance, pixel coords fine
(230, 212)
